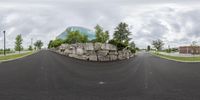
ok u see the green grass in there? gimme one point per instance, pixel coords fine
(175, 58)
(15, 56)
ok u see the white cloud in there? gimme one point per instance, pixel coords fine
(175, 22)
(173, 25)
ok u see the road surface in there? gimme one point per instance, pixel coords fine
(50, 76)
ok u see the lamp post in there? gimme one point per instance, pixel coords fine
(4, 51)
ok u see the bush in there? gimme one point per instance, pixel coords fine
(76, 37)
(120, 46)
(133, 50)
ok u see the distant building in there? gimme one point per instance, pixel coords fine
(189, 49)
(82, 30)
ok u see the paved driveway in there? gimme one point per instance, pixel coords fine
(49, 76)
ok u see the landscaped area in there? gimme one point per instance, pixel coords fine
(14, 56)
(177, 58)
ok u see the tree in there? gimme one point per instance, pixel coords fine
(132, 45)
(158, 44)
(122, 33)
(50, 45)
(120, 46)
(194, 45)
(148, 48)
(38, 44)
(101, 36)
(18, 43)
(30, 48)
(105, 37)
(56, 43)
(83, 38)
(76, 37)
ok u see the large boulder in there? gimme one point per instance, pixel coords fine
(107, 46)
(113, 57)
(113, 53)
(92, 57)
(73, 55)
(103, 58)
(125, 54)
(112, 47)
(121, 57)
(79, 51)
(89, 46)
(82, 57)
(102, 52)
(67, 52)
(64, 46)
(97, 46)
(90, 53)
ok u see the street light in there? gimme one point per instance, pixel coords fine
(4, 32)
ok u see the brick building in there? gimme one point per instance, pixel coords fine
(189, 49)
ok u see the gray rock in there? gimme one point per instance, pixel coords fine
(89, 46)
(85, 57)
(64, 46)
(121, 57)
(102, 52)
(73, 55)
(97, 46)
(107, 46)
(132, 55)
(67, 51)
(103, 58)
(113, 57)
(82, 57)
(93, 51)
(93, 58)
(90, 53)
(113, 53)
(112, 47)
(79, 51)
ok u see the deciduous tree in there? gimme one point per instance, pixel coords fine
(18, 43)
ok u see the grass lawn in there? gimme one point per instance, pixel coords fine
(182, 59)
(15, 56)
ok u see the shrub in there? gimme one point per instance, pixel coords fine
(120, 46)
(76, 37)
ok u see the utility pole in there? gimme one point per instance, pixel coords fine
(4, 32)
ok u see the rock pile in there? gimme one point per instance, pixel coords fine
(94, 51)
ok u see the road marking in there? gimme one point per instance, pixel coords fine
(101, 82)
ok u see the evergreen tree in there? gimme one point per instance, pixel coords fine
(122, 33)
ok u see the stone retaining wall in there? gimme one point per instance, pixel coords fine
(93, 51)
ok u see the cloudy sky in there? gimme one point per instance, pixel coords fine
(176, 22)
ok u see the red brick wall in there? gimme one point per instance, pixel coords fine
(189, 50)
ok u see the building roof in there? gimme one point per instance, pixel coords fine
(82, 30)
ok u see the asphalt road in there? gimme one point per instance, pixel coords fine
(49, 76)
